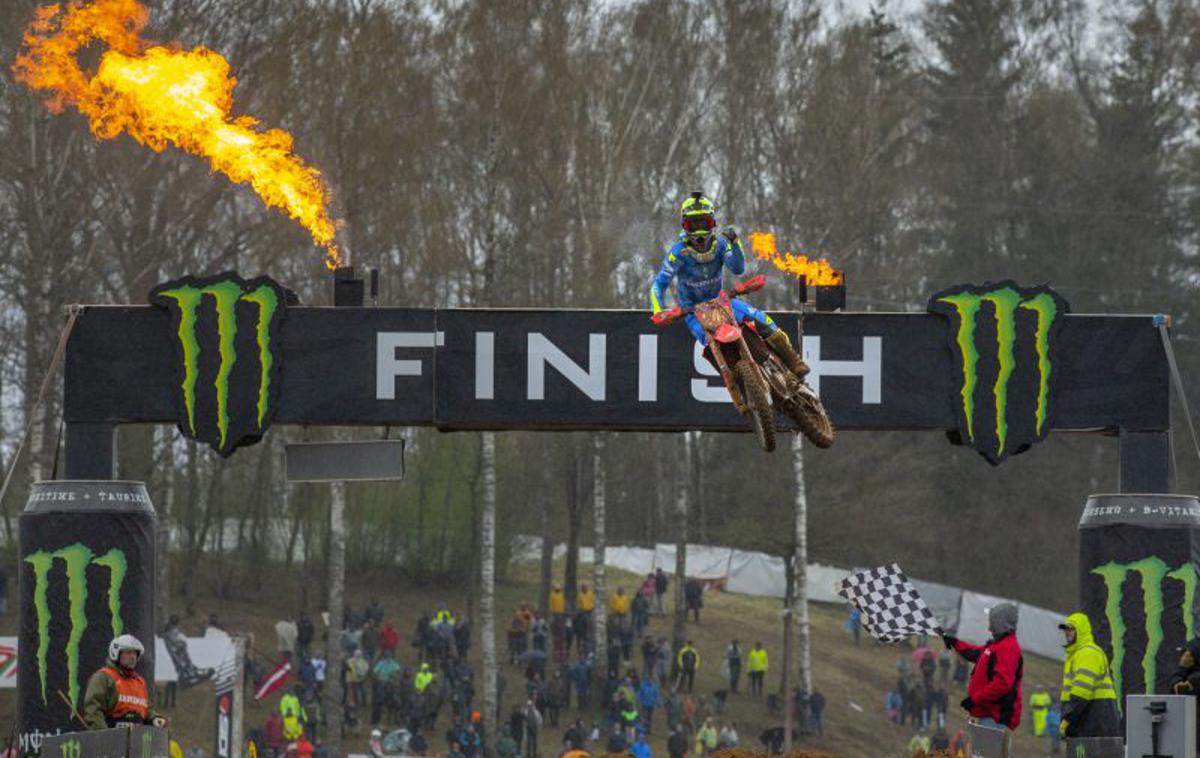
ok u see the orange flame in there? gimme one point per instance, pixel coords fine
(162, 97)
(817, 271)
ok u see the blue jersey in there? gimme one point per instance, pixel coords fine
(695, 281)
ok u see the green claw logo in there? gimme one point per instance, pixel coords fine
(1154, 573)
(75, 559)
(1003, 340)
(226, 332)
(71, 749)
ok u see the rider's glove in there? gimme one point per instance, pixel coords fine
(662, 318)
(730, 233)
(949, 639)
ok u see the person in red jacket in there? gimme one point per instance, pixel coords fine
(994, 691)
(274, 734)
(389, 638)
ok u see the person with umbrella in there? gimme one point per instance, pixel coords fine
(534, 661)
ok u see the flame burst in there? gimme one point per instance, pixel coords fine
(162, 97)
(816, 271)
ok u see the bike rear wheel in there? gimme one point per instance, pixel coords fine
(759, 401)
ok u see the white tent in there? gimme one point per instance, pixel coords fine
(752, 573)
(1037, 628)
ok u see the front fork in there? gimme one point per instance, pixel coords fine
(731, 384)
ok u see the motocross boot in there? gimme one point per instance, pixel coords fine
(782, 346)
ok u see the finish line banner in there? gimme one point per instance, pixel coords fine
(577, 369)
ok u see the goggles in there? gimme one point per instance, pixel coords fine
(700, 223)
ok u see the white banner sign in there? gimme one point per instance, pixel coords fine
(214, 650)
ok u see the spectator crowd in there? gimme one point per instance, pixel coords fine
(422, 698)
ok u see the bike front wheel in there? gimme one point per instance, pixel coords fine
(759, 401)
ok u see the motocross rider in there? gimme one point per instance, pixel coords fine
(697, 259)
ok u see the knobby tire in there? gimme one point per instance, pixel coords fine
(754, 387)
(809, 414)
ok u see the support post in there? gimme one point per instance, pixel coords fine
(682, 486)
(797, 614)
(1145, 461)
(337, 584)
(238, 733)
(600, 615)
(487, 594)
(90, 450)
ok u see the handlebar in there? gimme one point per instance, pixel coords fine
(753, 284)
(663, 318)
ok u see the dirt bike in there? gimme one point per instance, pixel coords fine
(756, 378)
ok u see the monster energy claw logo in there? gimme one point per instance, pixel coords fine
(71, 749)
(1154, 573)
(1005, 394)
(75, 560)
(235, 407)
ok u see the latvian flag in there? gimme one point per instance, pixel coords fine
(274, 681)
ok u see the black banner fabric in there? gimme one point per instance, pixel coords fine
(86, 576)
(123, 742)
(149, 742)
(1005, 346)
(577, 369)
(108, 743)
(1137, 561)
(227, 396)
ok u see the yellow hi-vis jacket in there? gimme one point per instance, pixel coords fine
(756, 660)
(1039, 704)
(558, 601)
(293, 716)
(423, 678)
(586, 601)
(1088, 695)
(1085, 673)
(618, 604)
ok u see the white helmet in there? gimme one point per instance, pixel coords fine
(123, 643)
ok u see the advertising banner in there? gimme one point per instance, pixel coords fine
(86, 576)
(223, 744)
(589, 369)
(1137, 564)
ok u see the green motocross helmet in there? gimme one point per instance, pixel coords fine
(699, 224)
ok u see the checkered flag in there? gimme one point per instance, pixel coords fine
(892, 610)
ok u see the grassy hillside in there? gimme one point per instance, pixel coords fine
(847, 674)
